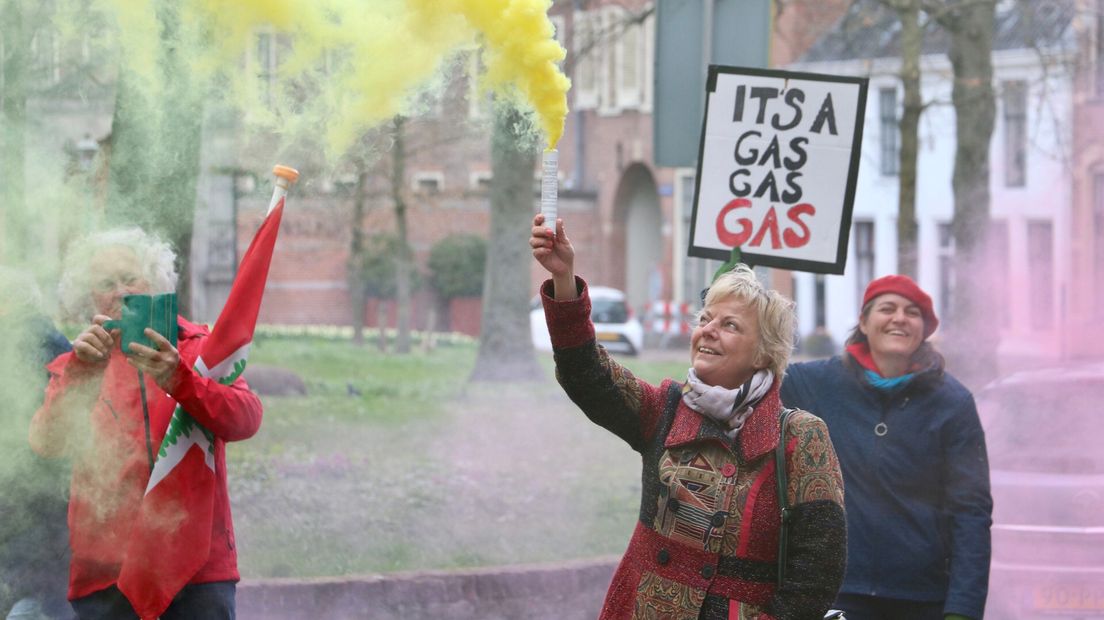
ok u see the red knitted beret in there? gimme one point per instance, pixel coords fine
(905, 287)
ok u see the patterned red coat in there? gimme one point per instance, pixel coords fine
(706, 543)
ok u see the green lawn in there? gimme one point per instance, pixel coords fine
(397, 463)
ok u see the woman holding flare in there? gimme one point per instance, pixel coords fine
(706, 543)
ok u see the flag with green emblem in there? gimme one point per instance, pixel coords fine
(181, 490)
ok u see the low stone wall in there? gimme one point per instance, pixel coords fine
(560, 591)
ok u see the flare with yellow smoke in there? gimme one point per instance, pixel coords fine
(362, 62)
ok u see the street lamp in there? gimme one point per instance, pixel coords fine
(86, 152)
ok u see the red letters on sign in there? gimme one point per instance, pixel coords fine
(790, 237)
(723, 234)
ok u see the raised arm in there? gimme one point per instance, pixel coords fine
(556, 254)
(232, 412)
(606, 391)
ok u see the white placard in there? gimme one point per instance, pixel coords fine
(777, 168)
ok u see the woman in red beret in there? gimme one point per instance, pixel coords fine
(914, 463)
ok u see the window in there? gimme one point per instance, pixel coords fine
(1040, 256)
(890, 151)
(586, 53)
(558, 31)
(629, 53)
(480, 101)
(863, 234)
(611, 19)
(86, 149)
(1014, 100)
(480, 180)
(649, 64)
(946, 270)
(428, 182)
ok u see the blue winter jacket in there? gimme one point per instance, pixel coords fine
(918, 503)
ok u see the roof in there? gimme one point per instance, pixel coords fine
(869, 29)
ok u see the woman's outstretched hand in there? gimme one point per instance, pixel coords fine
(556, 255)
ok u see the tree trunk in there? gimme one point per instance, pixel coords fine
(912, 39)
(155, 146)
(429, 339)
(358, 294)
(402, 257)
(505, 344)
(972, 335)
(381, 322)
(13, 140)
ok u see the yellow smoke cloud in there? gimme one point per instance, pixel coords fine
(520, 50)
(349, 65)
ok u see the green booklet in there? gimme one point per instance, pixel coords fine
(142, 311)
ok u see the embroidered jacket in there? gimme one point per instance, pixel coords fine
(706, 543)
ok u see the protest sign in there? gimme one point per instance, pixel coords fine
(778, 163)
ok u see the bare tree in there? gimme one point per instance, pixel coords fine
(912, 39)
(969, 26)
(403, 259)
(505, 346)
(358, 291)
(972, 343)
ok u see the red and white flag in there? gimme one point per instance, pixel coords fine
(181, 490)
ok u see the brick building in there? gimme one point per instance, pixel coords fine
(627, 217)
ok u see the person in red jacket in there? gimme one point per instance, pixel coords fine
(93, 414)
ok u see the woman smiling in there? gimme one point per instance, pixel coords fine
(914, 459)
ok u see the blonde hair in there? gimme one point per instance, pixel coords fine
(155, 256)
(776, 313)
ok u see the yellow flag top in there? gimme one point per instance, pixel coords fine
(362, 62)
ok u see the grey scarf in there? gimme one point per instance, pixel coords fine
(730, 408)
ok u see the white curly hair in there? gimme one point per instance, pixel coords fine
(155, 255)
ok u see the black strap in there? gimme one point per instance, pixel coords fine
(783, 502)
(146, 417)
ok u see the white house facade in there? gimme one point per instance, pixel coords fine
(1030, 186)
